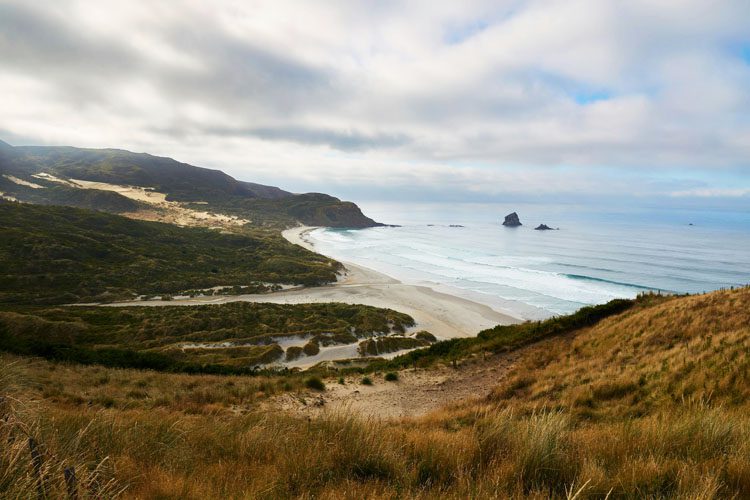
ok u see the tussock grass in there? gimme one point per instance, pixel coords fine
(94, 387)
(603, 413)
(678, 351)
(33, 465)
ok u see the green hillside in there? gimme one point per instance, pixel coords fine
(61, 255)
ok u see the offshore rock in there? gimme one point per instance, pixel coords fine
(512, 220)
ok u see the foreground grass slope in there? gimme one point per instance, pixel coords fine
(650, 403)
(64, 255)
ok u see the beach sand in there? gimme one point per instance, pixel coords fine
(445, 316)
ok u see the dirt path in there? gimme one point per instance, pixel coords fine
(416, 393)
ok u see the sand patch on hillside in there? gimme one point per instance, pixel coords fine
(22, 182)
(162, 210)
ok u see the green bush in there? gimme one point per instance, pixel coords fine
(293, 352)
(315, 384)
(366, 381)
(391, 377)
(425, 335)
(311, 348)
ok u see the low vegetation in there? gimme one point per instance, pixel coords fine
(63, 255)
(227, 338)
(384, 345)
(315, 384)
(680, 350)
(504, 338)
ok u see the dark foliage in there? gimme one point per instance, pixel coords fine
(231, 338)
(63, 255)
(315, 384)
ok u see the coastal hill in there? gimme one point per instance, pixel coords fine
(144, 186)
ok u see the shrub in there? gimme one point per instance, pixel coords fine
(311, 348)
(293, 352)
(366, 381)
(315, 384)
(391, 377)
(425, 335)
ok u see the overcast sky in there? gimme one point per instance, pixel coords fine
(531, 100)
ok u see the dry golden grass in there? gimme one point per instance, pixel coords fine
(685, 350)
(95, 387)
(648, 404)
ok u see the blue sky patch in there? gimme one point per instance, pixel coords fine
(584, 97)
(459, 34)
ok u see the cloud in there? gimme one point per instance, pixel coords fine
(712, 193)
(342, 140)
(573, 96)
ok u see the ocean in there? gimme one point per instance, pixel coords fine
(595, 256)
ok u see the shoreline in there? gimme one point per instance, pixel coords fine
(359, 275)
(445, 316)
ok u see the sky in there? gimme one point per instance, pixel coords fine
(606, 101)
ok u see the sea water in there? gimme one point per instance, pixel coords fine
(595, 256)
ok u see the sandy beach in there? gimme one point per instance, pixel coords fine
(445, 316)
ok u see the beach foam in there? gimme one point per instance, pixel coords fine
(556, 272)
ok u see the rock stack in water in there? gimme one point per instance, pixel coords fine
(512, 220)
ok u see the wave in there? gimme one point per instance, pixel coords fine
(558, 275)
(602, 280)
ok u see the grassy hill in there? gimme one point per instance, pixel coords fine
(62, 255)
(679, 351)
(648, 402)
(181, 182)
